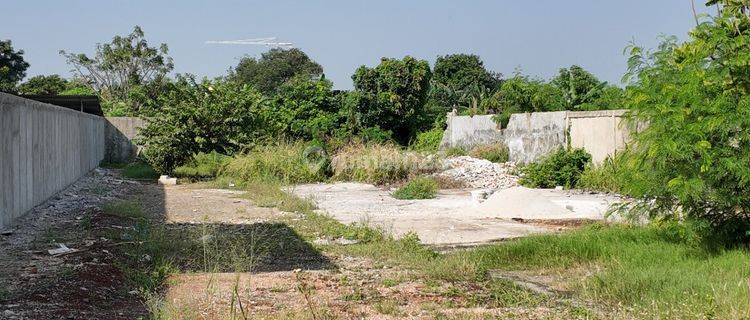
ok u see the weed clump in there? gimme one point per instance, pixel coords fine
(419, 188)
(286, 162)
(496, 152)
(139, 170)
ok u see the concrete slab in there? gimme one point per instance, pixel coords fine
(449, 220)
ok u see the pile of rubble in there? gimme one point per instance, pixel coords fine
(480, 173)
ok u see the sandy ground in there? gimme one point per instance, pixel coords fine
(452, 219)
(188, 204)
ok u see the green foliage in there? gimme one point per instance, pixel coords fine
(50, 85)
(139, 170)
(380, 164)
(303, 109)
(76, 87)
(12, 66)
(204, 116)
(428, 141)
(287, 163)
(560, 168)
(419, 188)
(392, 95)
(125, 70)
(274, 68)
(578, 86)
(496, 152)
(522, 94)
(202, 166)
(608, 176)
(694, 153)
(457, 78)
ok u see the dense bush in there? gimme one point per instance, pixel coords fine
(418, 188)
(380, 164)
(495, 152)
(288, 163)
(694, 155)
(560, 168)
(202, 116)
(303, 109)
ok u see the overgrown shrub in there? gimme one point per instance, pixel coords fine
(202, 166)
(560, 168)
(428, 141)
(695, 97)
(203, 116)
(418, 188)
(380, 164)
(139, 170)
(496, 152)
(286, 162)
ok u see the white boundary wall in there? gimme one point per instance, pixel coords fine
(43, 149)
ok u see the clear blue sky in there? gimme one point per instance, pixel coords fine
(539, 36)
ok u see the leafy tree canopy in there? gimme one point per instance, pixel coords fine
(274, 68)
(126, 71)
(52, 84)
(12, 66)
(458, 78)
(392, 96)
(304, 108)
(693, 158)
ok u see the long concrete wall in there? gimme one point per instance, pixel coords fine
(120, 132)
(530, 136)
(43, 149)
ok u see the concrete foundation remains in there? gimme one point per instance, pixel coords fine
(43, 149)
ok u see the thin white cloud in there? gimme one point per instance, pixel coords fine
(269, 42)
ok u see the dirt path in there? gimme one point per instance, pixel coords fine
(80, 285)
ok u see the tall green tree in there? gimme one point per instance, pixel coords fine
(126, 72)
(51, 85)
(392, 96)
(274, 68)
(303, 108)
(692, 160)
(12, 66)
(578, 86)
(461, 80)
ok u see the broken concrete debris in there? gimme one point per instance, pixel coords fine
(62, 249)
(480, 173)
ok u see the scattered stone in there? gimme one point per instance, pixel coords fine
(6, 232)
(8, 313)
(62, 249)
(480, 173)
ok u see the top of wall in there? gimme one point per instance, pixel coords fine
(10, 99)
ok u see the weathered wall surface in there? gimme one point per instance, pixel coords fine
(601, 133)
(120, 132)
(532, 135)
(43, 149)
(469, 131)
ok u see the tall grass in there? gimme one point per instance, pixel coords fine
(285, 162)
(202, 166)
(495, 152)
(381, 164)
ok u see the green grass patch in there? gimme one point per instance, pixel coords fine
(456, 152)
(419, 188)
(139, 170)
(288, 163)
(202, 166)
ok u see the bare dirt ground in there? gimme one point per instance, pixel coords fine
(79, 285)
(301, 282)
